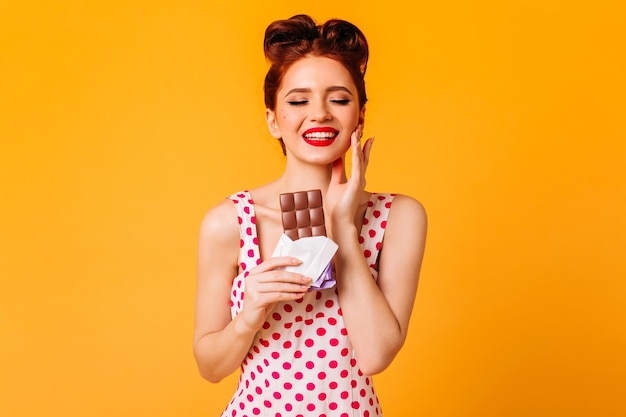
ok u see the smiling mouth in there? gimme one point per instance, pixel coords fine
(320, 137)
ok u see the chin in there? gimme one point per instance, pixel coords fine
(317, 159)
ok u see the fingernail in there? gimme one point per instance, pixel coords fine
(296, 261)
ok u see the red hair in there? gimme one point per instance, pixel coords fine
(287, 41)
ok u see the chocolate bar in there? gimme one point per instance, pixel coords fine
(302, 214)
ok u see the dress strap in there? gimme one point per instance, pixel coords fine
(249, 254)
(373, 230)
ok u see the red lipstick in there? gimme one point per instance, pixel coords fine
(320, 136)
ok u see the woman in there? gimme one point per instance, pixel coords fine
(307, 352)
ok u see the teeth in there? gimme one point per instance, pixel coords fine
(320, 135)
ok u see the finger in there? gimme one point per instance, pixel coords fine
(273, 263)
(282, 276)
(271, 298)
(276, 287)
(367, 148)
(359, 131)
(355, 138)
(357, 157)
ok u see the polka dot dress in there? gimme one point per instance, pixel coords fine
(301, 362)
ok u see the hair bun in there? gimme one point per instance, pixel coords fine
(341, 35)
(284, 35)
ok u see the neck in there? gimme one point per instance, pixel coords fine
(301, 177)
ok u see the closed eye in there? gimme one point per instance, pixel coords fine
(340, 102)
(297, 103)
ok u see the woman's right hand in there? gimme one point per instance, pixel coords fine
(268, 284)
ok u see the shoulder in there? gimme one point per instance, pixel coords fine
(404, 205)
(403, 202)
(404, 241)
(406, 213)
(220, 223)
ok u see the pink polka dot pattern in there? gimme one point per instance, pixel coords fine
(301, 362)
(373, 229)
(248, 247)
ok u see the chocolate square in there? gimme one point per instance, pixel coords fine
(303, 214)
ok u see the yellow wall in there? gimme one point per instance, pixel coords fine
(122, 122)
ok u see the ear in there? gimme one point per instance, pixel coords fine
(362, 116)
(272, 124)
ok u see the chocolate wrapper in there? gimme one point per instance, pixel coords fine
(315, 252)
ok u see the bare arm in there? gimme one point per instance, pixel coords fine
(376, 313)
(221, 344)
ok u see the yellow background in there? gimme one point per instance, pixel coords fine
(122, 122)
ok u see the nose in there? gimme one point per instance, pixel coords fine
(320, 112)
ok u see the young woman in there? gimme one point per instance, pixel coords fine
(301, 352)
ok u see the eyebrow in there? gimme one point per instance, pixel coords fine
(328, 90)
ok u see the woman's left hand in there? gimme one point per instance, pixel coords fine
(344, 195)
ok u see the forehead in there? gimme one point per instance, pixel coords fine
(317, 72)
